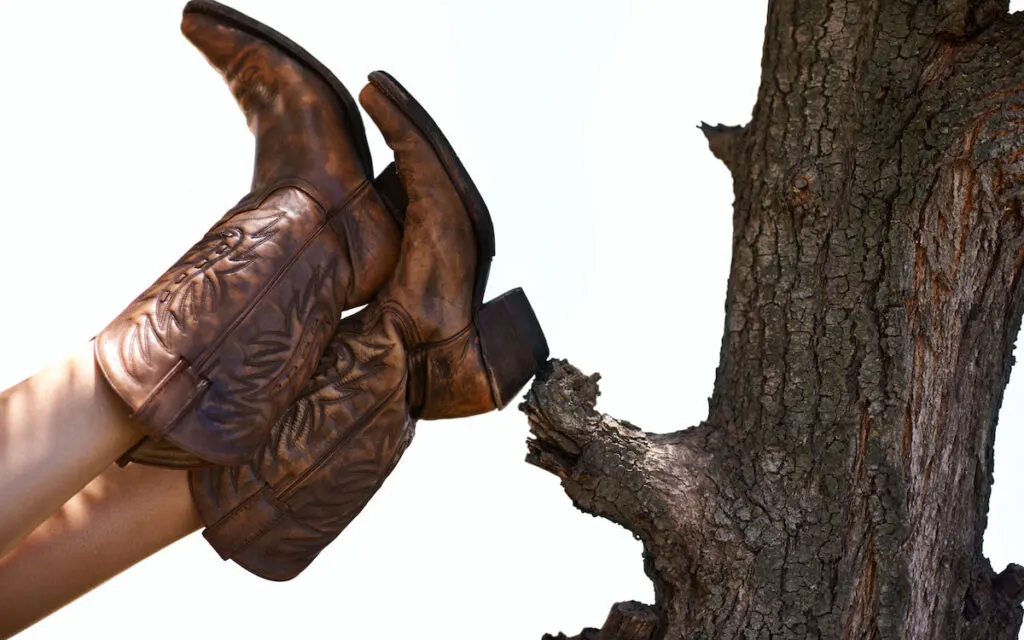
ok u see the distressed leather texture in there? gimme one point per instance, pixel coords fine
(324, 460)
(435, 289)
(212, 354)
(415, 350)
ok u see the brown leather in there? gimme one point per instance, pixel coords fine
(164, 453)
(212, 354)
(324, 460)
(437, 288)
(417, 350)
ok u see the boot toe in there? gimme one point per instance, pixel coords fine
(219, 43)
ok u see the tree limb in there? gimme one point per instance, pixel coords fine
(725, 143)
(651, 484)
(598, 458)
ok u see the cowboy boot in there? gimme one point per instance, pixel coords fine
(466, 357)
(324, 459)
(426, 347)
(213, 353)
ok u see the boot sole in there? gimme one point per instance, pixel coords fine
(244, 23)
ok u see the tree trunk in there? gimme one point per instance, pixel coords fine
(840, 484)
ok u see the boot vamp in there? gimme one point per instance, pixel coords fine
(298, 120)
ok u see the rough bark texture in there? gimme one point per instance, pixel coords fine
(840, 484)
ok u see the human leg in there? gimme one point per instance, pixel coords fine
(121, 517)
(58, 429)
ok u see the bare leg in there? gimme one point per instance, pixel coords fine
(58, 430)
(120, 518)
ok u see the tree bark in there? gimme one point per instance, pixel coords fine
(840, 483)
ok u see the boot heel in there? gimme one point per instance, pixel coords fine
(512, 343)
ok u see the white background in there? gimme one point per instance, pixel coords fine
(119, 146)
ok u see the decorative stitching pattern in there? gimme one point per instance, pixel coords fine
(326, 457)
(173, 306)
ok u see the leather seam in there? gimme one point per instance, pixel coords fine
(426, 346)
(159, 387)
(258, 198)
(199, 385)
(408, 328)
(205, 357)
(197, 390)
(356, 195)
(249, 503)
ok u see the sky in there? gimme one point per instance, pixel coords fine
(578, 121)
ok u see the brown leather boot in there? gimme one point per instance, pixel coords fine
(466, 357)
(324, 460)
(425, 347)
(213, 353)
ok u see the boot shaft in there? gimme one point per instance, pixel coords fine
(324, 459)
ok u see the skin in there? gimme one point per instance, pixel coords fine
(120, 518)
(59, 429)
